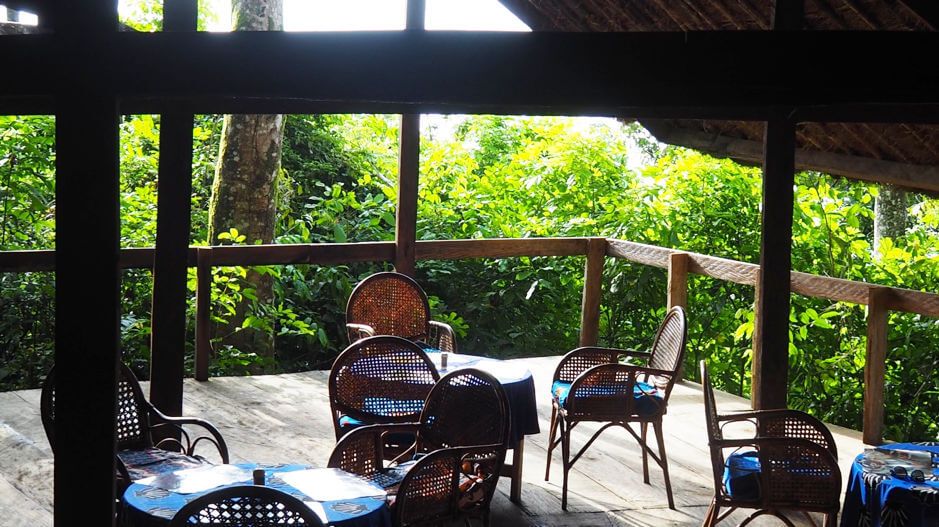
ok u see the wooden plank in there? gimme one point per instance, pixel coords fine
(481, 72)
(203, 313)
(906, 175)
(593, 285)
(500, 248)
(771, 380)
(874, 366)
(168, 313)
(408, 175)
(678, 280)
(87, 303)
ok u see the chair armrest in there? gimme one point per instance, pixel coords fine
(787, 423)
(186, 442)
(359, 331)
(361, 450)
(442, 336)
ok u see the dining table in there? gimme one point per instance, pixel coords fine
(893, 485)
(519, 387)
(340, 499)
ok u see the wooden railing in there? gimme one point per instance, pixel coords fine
(679, 264)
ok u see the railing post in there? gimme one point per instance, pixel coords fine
(593, 280)
(203, 311)
(756, 357)
(875, 365)
(678, 280)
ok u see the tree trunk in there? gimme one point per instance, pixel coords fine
(243, 192)
(890, 215)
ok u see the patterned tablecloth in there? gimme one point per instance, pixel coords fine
(875, 497)
(337, 497)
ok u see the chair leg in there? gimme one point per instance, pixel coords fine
(552, 436)
(830, 518)
(644, 428)
(712, 513)
(657, 426)
(565, 457)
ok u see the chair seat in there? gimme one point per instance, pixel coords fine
(386, 406)
(742, 476)
(648, 398)
(148, 462)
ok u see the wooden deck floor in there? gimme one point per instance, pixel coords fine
(285, 418)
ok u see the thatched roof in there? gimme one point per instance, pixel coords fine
(904, 154)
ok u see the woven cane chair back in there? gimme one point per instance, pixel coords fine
(467, 407)
(383, 379)
(668, 347)
(713, 428)
(247, 505)
(392, 304)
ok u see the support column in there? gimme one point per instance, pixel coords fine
(408, 169)
(874, 367)
(168, 312)
(593, 282)
(771, 363)
(87, 306)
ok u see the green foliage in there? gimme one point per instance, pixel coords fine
(497, 177)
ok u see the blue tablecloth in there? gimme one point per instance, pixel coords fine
(145, 505)
(516, 381)
(875, 498)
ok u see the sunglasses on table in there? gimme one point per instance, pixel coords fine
(916, 476)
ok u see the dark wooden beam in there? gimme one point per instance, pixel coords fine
(916, 177)
(575, 73)
(409, 153)
(771, 364)
(87, 305)
(174, 198)
(787, 15)
(168, 314)
(926, 10)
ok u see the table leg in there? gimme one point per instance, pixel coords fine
(515, 494)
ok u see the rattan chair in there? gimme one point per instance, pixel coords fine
(590, 384)
(246, 505)
(452, 468)
(148, 441)
(394, 304)
(791, 464)
(381, 379)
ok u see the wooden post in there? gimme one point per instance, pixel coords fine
(593, 280)
(203, 312)
(875, 365)
(678, 280)
(168, 317)
(87, 306)
(409, 153)
(168, 312)
(406, 218)
(755, 366)
(771, 369)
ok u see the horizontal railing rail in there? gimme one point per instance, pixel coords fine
(679, 264)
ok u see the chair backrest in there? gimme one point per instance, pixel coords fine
(467, 407)
(245, 505)
(668, 347)
(392, 304)
(713, 429)
(447, 484)
(382, 379)
(133, 416)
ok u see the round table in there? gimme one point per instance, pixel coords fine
(155, 503)
(874, 497)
